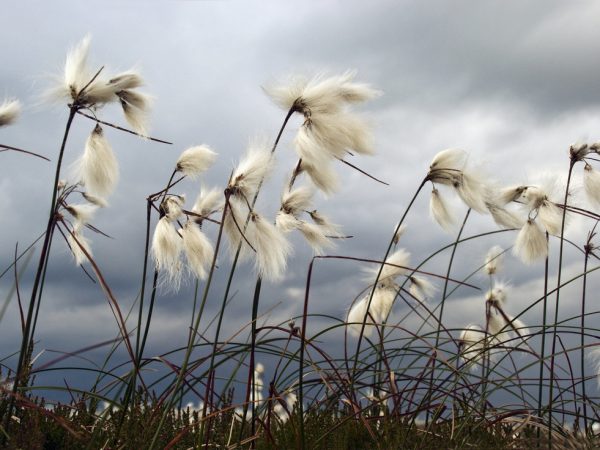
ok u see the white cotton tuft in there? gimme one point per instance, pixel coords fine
(208, 201)
(472, 343)
(328, 227)
(9, 112)
(79, 245)
(451, 158)
(321, 94)
(233, 226)
(195, 160)
(421, 288)
(97, 169)
(591, 184)
(472, 190)
(296, 200)
(83, 213)
(497, 295)
(136, 108)
(254, 167)
(272, 248)
(286, 222)
(173, 207)
(98, 201)
(322, 175)
(440, 212)
(531, 244)
(503, 217)
(198, 249)
(493, 260)
(356, 317)
(166, 249)
(510, 194)
(77, 74)
(550, 217)
(381, 303)
(315, 236)
(506, 331)
(126, 80)
(395, 265)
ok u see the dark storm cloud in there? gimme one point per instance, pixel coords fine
(514, 83)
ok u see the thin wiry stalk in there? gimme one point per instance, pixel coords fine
(543, 344)
(588, 249)
(237, 255)
(188, 352)
(445, 291)
(4, 148)
(389, 248)
(27, 338)
(560, 261)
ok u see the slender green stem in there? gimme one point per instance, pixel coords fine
(443, 302)
(28, 335)
(184, 366)
(582, 350)
(543, 344)
(554, 328)
(387, 253)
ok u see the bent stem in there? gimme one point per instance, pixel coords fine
(387, 252)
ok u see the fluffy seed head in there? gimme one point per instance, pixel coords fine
(531, 244)
(320, 94)
(208, 201)
(126, 80)
(82, 213)
(172, 207)
(440, 212)
(503, 217)
(136, 107)
(493, 260)
(296, 200)
(98, 201)
(286, 222)
(420, 288)
(198, 249)
(195, 160)
(272, 248)
(322, 175)
(395, 265)
(79, 245)
(9, 112)
(497, 295)
(356, 317)
(166, 249)
(97, 169)
(451, 158)
(471, 344)
(252, 169)
(550, 216)
(315, 236)
(579, 150)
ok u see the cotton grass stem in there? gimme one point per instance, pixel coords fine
(554, 329)
(184, 366)
(29, 332)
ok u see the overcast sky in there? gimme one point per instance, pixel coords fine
(513, 83)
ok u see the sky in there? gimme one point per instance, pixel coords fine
(512, 83)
